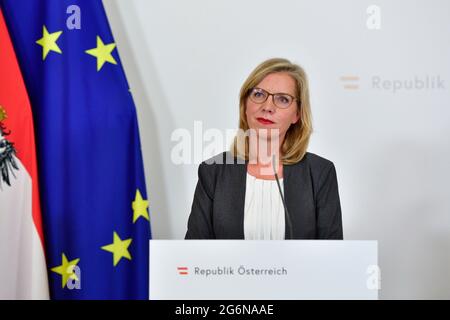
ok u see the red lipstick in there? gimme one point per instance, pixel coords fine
(264, 121)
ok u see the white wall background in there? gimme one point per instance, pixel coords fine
(186, 60)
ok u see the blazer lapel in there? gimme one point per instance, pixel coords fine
(289, 198)
(237, 205)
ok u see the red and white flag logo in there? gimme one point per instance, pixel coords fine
(183, 271)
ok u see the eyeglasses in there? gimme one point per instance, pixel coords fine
(280, 100)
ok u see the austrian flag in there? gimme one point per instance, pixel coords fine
(23, 272)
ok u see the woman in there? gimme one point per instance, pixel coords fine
(268, 186)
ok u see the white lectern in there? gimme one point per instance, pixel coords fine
(263, 270)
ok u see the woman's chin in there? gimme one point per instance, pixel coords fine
(268, 132)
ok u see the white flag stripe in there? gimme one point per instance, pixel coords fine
(23, 272)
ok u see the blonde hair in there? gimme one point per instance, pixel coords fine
(297, 137)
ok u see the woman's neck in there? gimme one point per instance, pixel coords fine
(264, 156)
(263, 167)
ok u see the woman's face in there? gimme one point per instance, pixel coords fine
(266, 115)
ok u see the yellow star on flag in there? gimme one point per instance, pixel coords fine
(119, 248)
(103, 53)
(66, 269)
(139, 206)
(48, 42)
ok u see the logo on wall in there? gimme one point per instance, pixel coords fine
(183, 271)
(7, 152)
(350, 82)
(414, 83)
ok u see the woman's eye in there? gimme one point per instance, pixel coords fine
(284, 99)
(258, 94)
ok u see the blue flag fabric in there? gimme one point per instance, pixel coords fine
(94, 200)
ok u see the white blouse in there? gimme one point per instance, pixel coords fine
(264, 210)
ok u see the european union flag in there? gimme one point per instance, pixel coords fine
(94, 200)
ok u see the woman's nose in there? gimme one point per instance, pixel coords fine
(268, 106)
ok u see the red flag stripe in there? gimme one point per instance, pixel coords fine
(14, 99)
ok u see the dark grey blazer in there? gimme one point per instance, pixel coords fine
(310, 189)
